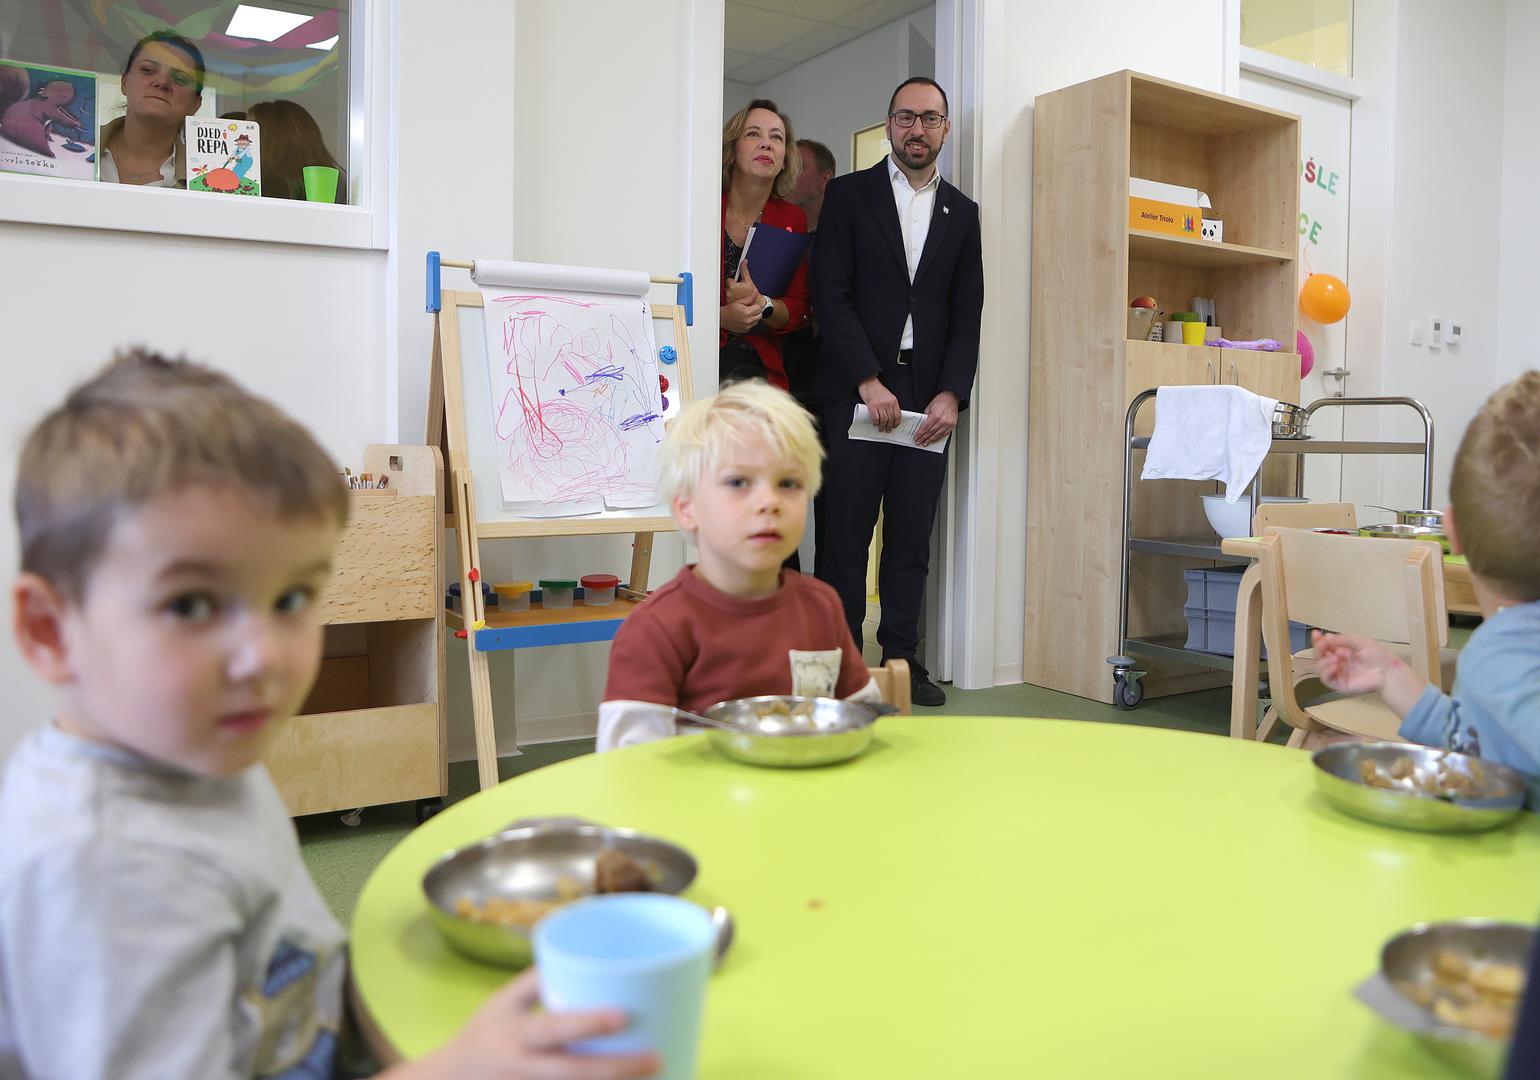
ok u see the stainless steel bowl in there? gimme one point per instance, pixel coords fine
(526, 864)
(1408, 958)
(1289, 421)
(833, 730)
(1500, 790)
(1406, 532)
(1432, 519)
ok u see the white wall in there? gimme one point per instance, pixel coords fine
(598, 198)
(835, 94)
(735, 95)
(304, 326)
(1519, 243)
(1444, 244)
(1035, 49)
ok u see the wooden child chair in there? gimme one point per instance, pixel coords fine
(1389, 590)
(893, 684)
(1324, 516)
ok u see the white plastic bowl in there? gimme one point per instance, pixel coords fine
(1231, 521)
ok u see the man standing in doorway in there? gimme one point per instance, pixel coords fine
(817, 170)
(898, 290)
(799, 348)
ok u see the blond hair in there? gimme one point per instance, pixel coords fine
(1495, 489)
(145, 426)
(791, 161)
(743, 411)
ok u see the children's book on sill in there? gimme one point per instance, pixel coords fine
(47, 121)
(224, 157)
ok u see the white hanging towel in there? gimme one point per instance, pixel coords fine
(1209, 433)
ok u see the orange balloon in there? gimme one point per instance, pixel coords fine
(1324, 298)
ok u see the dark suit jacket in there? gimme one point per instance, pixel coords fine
(862, 294)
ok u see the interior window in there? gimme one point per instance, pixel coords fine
(73, 105)
(1314, 32)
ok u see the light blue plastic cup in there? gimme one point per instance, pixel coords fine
(646, 954)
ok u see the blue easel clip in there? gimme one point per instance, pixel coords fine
(435, 301)
(686, 297)
(667, 354)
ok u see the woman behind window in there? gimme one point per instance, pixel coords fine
(291, 139)
(163, 82)
(759, 169)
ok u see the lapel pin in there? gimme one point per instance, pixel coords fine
(946, 209)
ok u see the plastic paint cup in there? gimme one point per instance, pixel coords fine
(599, 589)
(513, 595)
(1192, 333)
(321, 183)
(646, 954)
(556, 592)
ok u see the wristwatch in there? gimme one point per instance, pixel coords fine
(768, 311)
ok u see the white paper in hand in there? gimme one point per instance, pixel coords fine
(864, 428)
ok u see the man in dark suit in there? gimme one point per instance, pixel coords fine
(898, 289)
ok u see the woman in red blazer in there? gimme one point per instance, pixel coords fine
(759, 168)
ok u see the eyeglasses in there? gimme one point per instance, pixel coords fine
(905, 119)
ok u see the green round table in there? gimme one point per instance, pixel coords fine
(992, 897)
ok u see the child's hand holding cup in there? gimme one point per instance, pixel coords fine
(647, 954)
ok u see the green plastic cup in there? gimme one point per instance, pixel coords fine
(320, 183)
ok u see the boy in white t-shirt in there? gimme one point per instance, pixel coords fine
(156, 919)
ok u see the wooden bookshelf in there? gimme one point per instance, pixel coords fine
(373, 728)
(1087, 263)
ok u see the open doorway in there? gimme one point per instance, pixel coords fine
(830, 67)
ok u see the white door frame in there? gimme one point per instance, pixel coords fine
(960, 613)
(1371, 197)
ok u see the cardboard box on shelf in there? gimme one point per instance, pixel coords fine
(1167, 208)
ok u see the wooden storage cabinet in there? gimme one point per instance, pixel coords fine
(1087, 262)
(372, 730)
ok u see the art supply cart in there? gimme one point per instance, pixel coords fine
(373, 729)
(1171, 646)
(463, 423)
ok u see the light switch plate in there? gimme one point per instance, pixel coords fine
(1452, 333)
(1416, 332)
(1435, 331)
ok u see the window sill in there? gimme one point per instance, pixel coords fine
(38, 200)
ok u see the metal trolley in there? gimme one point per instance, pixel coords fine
(1128, 689)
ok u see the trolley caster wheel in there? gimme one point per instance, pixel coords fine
(426, 808)
(1127, 692)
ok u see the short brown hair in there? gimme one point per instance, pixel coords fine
(145, 426)
(1495, 489)
(791, 162)
(823, 157)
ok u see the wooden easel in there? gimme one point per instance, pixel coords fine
(446, 429)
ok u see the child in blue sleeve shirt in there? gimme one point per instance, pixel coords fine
(1494, 710)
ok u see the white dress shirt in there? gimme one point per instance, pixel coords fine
(914, 210)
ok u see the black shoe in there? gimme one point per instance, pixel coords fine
(921, 690)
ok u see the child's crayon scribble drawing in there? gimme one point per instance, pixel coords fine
(576, 405)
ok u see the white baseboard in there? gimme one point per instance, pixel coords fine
(1008, 674)
(544, 729)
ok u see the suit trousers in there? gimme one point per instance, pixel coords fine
(905, 483)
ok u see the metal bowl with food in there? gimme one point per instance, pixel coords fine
(485, 897)
(1418, 787)
(1463, 980)
(792, 732)
(1406, 532)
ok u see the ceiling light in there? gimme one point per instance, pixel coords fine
(263, 24)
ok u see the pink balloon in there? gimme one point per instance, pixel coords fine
(1306, 353)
